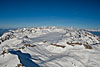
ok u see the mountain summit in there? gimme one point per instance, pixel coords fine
(49, 47)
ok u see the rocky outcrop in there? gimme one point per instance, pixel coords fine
(6, 37)
(73, 44)
(58, 45)
(87, 46)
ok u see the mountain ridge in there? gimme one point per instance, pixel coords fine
(50, 47)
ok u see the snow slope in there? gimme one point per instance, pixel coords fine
(49, 47)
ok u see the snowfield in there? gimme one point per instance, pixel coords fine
(49, 47)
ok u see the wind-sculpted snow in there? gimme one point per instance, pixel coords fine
(49, 47)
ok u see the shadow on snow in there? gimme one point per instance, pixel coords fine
(25, 58)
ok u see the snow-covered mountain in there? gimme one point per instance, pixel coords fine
(49, 47)
(95, 30)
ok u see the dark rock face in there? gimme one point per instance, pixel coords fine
(26, 36)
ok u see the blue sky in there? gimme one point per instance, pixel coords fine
(67, 13)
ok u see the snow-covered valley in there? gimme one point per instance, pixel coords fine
(49, 47)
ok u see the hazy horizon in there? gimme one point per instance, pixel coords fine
(64, 13)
